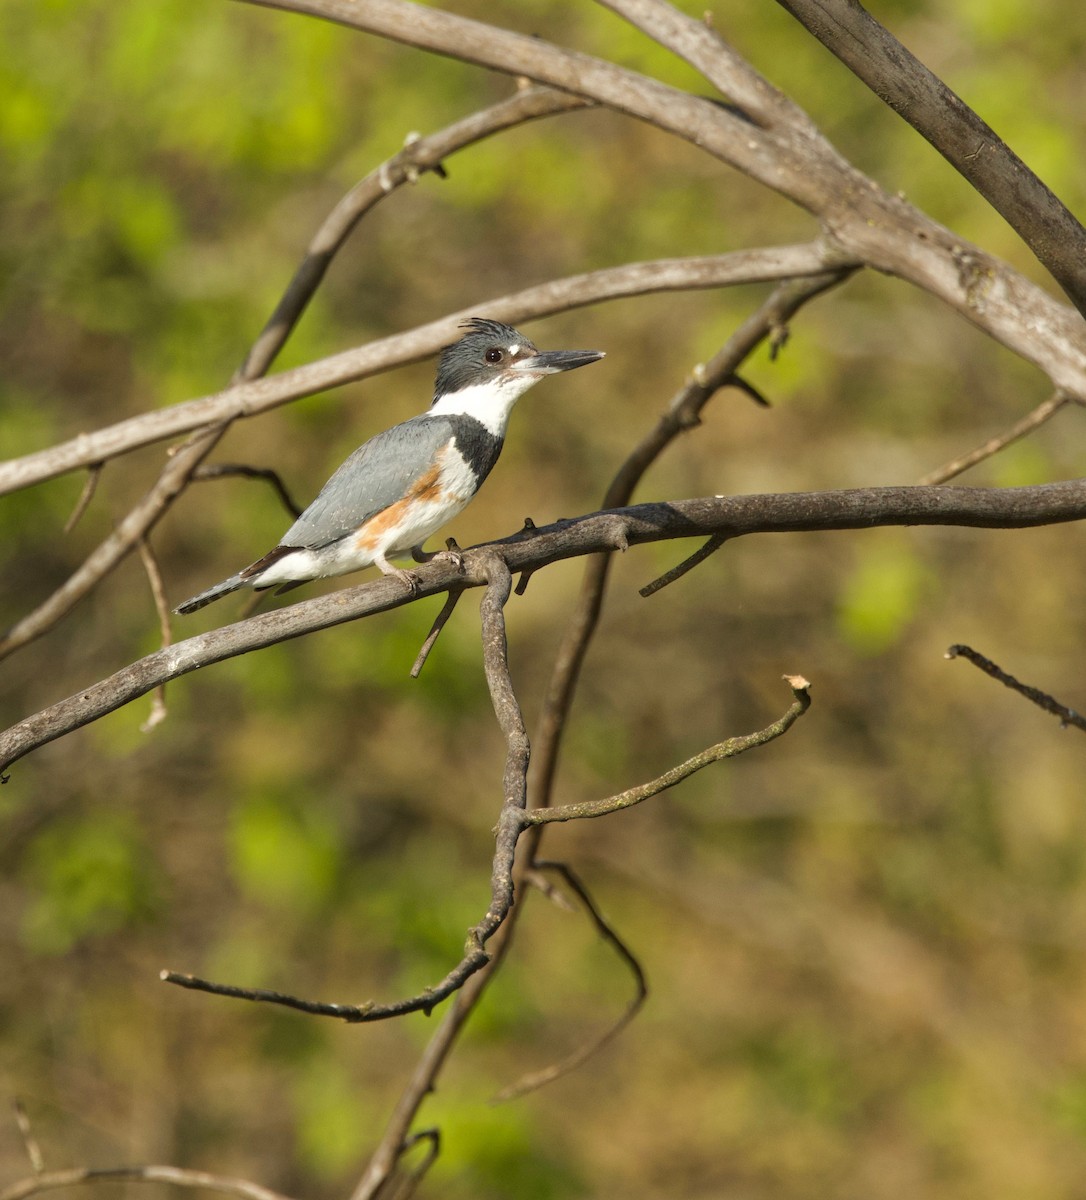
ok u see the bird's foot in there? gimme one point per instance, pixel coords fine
(409, 579)
(451, 554)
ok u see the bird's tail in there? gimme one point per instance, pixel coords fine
(193, 603)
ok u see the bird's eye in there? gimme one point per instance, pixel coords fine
(493, 355)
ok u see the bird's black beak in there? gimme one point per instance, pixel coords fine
(550, 362)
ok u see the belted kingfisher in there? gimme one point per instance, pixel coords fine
(393, 492)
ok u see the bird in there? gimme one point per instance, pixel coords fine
(404, 484)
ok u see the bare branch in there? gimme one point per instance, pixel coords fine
(969, 144)
(210, 471)
(735, 516)
(866, 223)
(697, 43)
(538, 1079)
(177, 1176)
(94, 473)
(1027, 424)
(419, 154)
(559, 295)
(1067, 716)
(729, 748)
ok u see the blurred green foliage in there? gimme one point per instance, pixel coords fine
(864, 942)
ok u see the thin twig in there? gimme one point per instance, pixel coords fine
(406, 1185)
(537, 1079)
(729, 748)
(162, 607)
(30, 1142)
(94, 473)
(1067, 716)
(177, 1176)
(210, 471)
(688, 564)
(1031, 421)
(124, 538)
(442, 617)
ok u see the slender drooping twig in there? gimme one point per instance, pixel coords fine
(1067, 716)
(158, 591)
(607, 932)
(213, 471)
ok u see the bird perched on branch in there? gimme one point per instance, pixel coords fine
(400, 487)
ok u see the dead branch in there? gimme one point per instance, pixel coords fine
(1031, 421)
(864, 222)
(540, 1078)
(177, 1176)
(248, 399)
(969, 144)
(729, 748)
(735, 516)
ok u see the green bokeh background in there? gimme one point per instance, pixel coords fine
(865, 942)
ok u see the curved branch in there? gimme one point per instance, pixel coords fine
(418, 155)
(530, 550)
(969, 144)
(729, 748)
(177, 1176)
(575, 291)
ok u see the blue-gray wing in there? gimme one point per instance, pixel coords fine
(376, 475)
